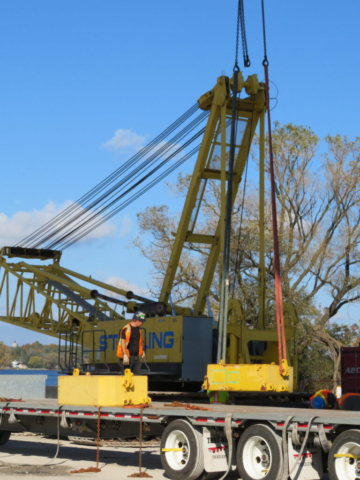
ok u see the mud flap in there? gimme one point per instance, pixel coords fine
(310, 466)
(215, 451)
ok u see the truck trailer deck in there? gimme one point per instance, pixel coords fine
(263, 442)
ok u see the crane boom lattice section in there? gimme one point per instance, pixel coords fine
(49, 299)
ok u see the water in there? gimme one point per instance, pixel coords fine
(52, 375)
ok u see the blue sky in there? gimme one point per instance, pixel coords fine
(75, 72)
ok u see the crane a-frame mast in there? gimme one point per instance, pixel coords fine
(212, 164)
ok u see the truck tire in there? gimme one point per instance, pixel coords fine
(347, 467)
(187, 464)
(4, 436)
(259, 454)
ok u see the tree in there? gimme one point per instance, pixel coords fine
(36, 362)
(5, 355)
(319, 213)
(50, 360)
(318, 200)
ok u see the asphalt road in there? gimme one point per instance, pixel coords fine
(39, 456)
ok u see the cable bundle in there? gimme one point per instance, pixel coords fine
(140, 173)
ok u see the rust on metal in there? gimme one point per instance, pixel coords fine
(187, 406)
(141, 405)
(85, 470)
(2, 399)
(140, 475)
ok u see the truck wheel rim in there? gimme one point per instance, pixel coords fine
(177, 460)
(257, 458)
(348, 468)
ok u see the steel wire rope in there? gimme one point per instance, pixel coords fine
(146, 164)
(117, 172)
(120, 170)
(110, 178)
(133, 198)
(237, 258)
(137, 195)
(224, 279)
(118, 208)
(167, 159)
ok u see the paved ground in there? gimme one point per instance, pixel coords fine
(33, 455)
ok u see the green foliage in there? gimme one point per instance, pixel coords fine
(5, 357)
(316, 360)
(50, 360)
(35, 362)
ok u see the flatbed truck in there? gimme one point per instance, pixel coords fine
(270, 443)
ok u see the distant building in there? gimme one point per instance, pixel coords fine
(14, 345)
(17, 364)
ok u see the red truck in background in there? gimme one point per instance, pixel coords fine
(350, 370)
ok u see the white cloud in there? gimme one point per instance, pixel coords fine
(126, 226)
(21, 224)
(125, 139)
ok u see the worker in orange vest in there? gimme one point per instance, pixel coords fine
(323, 399)
(130, 348)
(350, 401)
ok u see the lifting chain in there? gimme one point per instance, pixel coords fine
(241, 25)
(141, 474)
(265, 61)
(98, 439)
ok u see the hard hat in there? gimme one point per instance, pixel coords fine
(139, 316)
(318, 402)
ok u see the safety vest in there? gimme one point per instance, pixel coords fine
(119, 352)
(350, 401)
(323, 394)
(218, 396)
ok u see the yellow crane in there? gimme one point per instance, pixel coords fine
(47, 297)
